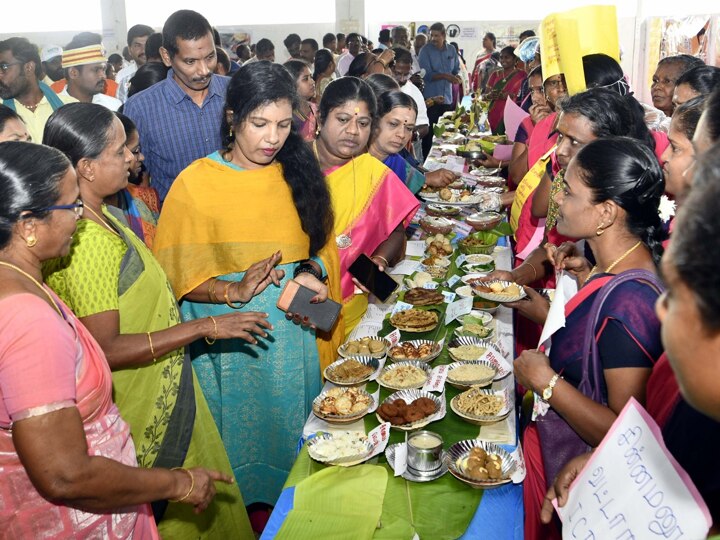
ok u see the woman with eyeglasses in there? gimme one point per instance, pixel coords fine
(115, 286)
(69, 463)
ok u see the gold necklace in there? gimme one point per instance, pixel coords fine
(102, 221)
(37, 284)
(614, 263)
(343, 241)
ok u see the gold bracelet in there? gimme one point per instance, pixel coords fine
(387, 264)
(152, 349)
(207, 339)
(227, 298)
(211, 291)
(531, 265)
(192, 484)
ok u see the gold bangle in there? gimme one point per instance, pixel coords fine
(387, 264)
(192, 485)
(215, 335)
(152, 349)
(227, 298)
(211, 291)
(531, 265)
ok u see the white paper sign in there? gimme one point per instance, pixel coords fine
(430, 285)
(460, 259)
(376, 400)
(449, 296)
(519, 475)
(632, 487)
(405, 267)
(463, 229)
(457, 309)
(400, 459)
(436, 381)
(415, 248)
(379, 438)
(453, 280)
(401, 306)
(566, 289)
(393, 337)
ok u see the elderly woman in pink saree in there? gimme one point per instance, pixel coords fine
(372, 206)
(67, 460)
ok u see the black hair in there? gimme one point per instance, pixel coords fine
(686, 116)
(712, 115)
(686, 61)
(24, 52)
(387, 101)
(147, 75)
(128, 125)
(526, 34)
(30, 177)
(457, 50)
(508, 50)
(153, 44)
(114, 58)
(260, 83)
(492, 38)
(310, 41)
(264, 47)
(359, 65)
(437, 27)
(79, 130)
(323, 59)
(216, 37)
(610, 114)
(402, 55)
(328, 39)
(626, 171)
(696, 238)
(377, 51)
(222, 58)
(6, 113)
(603, 70)
(291, 39)
(702, 79)
(139, 30)
(381, 83)
(340, 36)
(295, 67)
(537, 70)
(346, 89)
(384, 35)
(184, 24)
(353, 35)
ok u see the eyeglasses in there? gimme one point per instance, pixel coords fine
(555, 83)
(78, 207)
(5, 66)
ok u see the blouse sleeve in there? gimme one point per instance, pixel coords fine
(38, 354)
(87, 280)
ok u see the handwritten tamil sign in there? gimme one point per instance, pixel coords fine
(632, 487)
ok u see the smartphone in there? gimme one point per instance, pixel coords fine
(295, 298)
(375, 281)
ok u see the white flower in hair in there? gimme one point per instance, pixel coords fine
(666, 208)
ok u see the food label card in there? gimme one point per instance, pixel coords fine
(460, 259)
(463, 229)
(379, 438)
(400, 459)
(436, 381)
(457, 309)
(519, 475)
(405, 267)
(430, 285)
(401, 306)
(393, 337)
(632, 487)
(453, 280)
(415, 248)
(449, 296)
(503, 366)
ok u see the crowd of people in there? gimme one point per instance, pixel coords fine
(153, 210)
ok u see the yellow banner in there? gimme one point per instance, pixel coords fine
(568, 36)
(528, 184)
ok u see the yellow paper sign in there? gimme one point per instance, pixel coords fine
(568, 36)
(529, 183)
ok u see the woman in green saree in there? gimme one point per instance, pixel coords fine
(121, 294)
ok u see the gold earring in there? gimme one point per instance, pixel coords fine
(31, 240)
(599, 231)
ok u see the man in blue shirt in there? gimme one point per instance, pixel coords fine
(178, 119)
(440, 61)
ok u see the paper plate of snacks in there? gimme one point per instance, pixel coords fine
(418, 279)
(484, 221)
(466, 348)
(478, 262)
(438, 245)
(436, 260)
(499, 291)
(343, 448)
(419, 296)
(415, 320)
(481, 407)
(404, 375)
(476, 324)
(465, 374)
(410, 409)
(422, 350)
(442, 210)
(342, 405)
(366, 346)
(463, 197)
(436, 225)
(351, 371)
(480, 464)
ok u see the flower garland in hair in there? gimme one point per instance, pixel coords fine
(666, 209)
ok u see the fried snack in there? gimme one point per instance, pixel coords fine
(407, 414)
(445, 194)
(401, 376)
(438, 245)
(414, 320)
(479, 465)
(496, 287)
(365, 346)
(349, 371)
(423, 297)
(471, 372)
(344, 402)
(408, 351)
(467, 352)
(477, 403)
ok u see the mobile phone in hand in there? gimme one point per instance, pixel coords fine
(375, 281)
(296, 298)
